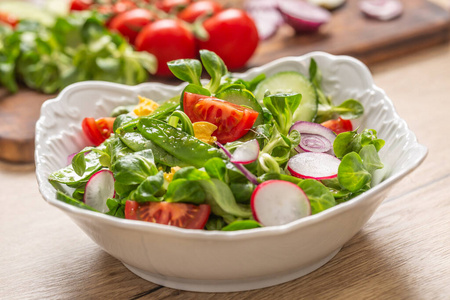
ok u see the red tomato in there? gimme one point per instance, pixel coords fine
(131, 22)
(168, 5)
(168, 40)
(8, 19)
(80, 4)
(232, 35)
(233, 121)
(97, 131)
(199, 8)
(338, 125)
(122, 6)
(175, 214)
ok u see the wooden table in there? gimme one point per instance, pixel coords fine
(403, 252)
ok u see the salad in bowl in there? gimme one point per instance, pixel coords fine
(228, 154)
(271, 171)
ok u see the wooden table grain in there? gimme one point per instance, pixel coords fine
(403, 252)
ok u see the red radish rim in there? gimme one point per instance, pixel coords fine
(299, 175)
(92, 177)
(252, 143)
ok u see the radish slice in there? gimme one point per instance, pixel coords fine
(314, 137)
(328, 4)
(303, 16)
(278, 202)
(314, 165)
(98, 189)
(383, 10)
(252, 178)
(246, 153)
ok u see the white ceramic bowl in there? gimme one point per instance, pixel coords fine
(214, 261)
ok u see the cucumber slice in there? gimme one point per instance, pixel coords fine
(245, 98)
(291, 82)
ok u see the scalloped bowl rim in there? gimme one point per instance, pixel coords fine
(242, 234)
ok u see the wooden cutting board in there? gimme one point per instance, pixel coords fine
(422, 25)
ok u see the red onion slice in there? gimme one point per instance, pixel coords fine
(314, 143)
(303, 16)
(313, 137)
(383, 10)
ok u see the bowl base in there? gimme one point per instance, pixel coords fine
(220, 286)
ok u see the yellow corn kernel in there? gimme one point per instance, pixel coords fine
(203, 131)
(145, 106)
(169, 176)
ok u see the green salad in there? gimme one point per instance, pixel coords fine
(229, 154)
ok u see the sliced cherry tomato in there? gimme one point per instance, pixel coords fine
(80, 4)
(338, 125)
(97, 131)
(232, 35)
(170, 5)
(199, 8)
(8, 19)
(175, 214)
(168, 40)
(232, 121)
(131, 22)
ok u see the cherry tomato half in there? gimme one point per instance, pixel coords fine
(199, 8)
(168, 40)
(175, 214)
(131, 22)
(338, 125)
(232, 35)
(233, 121)
(97, 131)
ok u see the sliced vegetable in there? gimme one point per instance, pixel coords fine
(233, 121)
(266, 16)
(278, 202)
(99, 188)
(182, 215)
(314, 165)
(338, 125)
(303, 16)
(97, 131)
(291, 82)
(313, 137)
(383, 10)
(246, 153)
(252, 178)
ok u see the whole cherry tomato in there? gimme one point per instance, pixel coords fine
(131, 22)
(199, 8)
(169, 5)
(80, 4)
(232, 35)
(168, 40)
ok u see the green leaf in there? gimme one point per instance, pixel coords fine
(79, 163)
(370, 158)
(282, 107)
(116, 208)
(221, 199)
(190, 173)
(319, 196)
(216, 168)
(134, 168)
(188, 70)
(351, 173)
(241, 225)
(69, 200)
(242, 192)
(148, 188)
(215, 67)
(184, 190)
